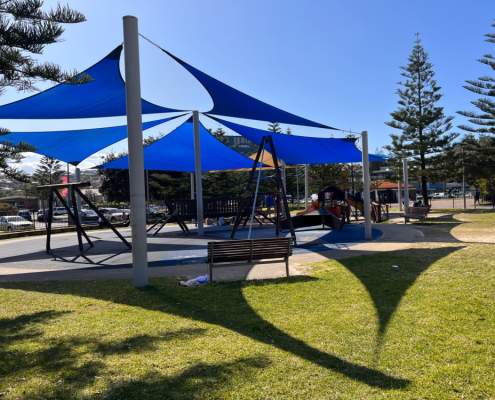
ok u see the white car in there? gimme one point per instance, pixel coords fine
(12, 223)
(114, 215)
(440, 195)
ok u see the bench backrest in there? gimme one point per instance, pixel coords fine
(212, 208)
(249, 250)
(418, 210)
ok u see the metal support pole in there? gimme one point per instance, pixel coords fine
(405, 174)
(399, 197)
(306, 184)
(366, 187)
(68, 181)
(297, 186)
(192, 185)
(198, 174)
(78, 200)
(284, 175)
(136, 157)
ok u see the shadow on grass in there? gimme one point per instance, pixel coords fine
(387, 284)
(198, 381)
(25, 350)
(223, 305)
(438, 229)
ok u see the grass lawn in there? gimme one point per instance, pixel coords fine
(357, 328)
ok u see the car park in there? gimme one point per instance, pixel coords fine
(12, 223)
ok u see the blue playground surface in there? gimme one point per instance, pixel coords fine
(313, 239)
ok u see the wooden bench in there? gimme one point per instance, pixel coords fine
(418, 213)
(249, 250)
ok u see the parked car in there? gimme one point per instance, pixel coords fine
(58, 211)
(88, 216)
(12, 223)
(114, 215)
(40, 215)
(26, 214)
(439, 195)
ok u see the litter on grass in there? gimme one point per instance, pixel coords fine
(198, 281)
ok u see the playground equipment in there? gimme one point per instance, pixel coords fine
(282, 212)
(75, 195)
(179, 211)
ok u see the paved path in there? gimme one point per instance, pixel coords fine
(174, 255)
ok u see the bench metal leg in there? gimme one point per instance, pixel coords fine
(210, 272)
(287, 266)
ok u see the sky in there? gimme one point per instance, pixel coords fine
(335, 62)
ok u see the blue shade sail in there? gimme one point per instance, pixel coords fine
(234, 103)
(304, 149)
(75, 145)
(102, 96)
(175, 152)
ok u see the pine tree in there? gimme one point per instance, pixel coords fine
(482, 121)
(476, 155)
(219, 133)
(49, 171)
(425, 130)
(274, 127)
(25, 30)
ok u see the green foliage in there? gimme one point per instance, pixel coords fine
(115, 182)
(477, 157)
(49, 171)
(11, 155)
(424, 129)
(168, 185)
(25, 30)
(321, 176)
(482, 121)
